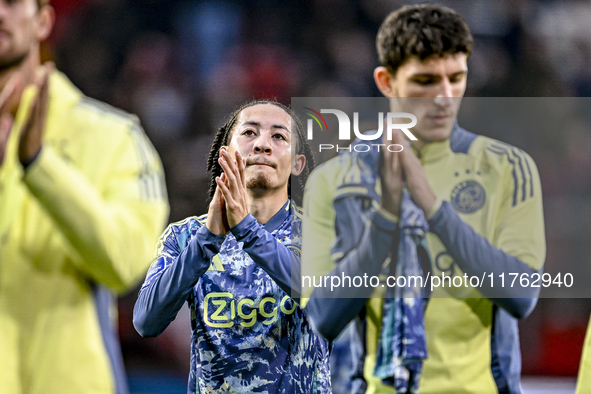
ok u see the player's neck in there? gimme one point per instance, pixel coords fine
(264, 207)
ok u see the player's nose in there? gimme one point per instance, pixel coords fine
(262, 144)
(444, 97)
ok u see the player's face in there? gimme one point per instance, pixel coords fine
(20, 30)
(438, 84)
(263, 136)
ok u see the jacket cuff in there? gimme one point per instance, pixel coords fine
(385, 220)
(214, 239)
(241, 229)
(435, 209)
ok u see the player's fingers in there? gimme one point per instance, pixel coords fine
(228, 164)
(43, 94)
(241, 165)
(396, 163)
(216, 196)
(389, 164)
(392, 158)
(406, 154)
(224, 179)
(223, 160)
(35, 124)
(9, 91)
(412, 165)
(5, 127)
(222, 200)
(398, 139)
(232, 172)
(30, 138)
(223, 188)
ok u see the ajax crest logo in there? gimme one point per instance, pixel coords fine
(468, 197)
(297, 251)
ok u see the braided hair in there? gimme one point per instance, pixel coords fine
(302, 147)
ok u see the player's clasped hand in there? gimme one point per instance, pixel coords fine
(5, 126)
(416, 180)
(234, 187)
(32, 133)
(217, 222)
(8, 96)
(394, 166)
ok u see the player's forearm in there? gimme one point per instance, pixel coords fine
(330, 316)
(113, 238)
(475, 256)
(271, 255)
(167, 287)
(331, 308)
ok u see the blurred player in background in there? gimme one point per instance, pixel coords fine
(233, 266)
(481, 198)
(82, 201)
(584, 377)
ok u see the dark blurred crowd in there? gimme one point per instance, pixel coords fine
(182, 66)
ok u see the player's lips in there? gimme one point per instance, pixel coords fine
(439, 119)
(260, 163)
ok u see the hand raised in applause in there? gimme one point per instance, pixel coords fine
(234, 187)
(9, 97)
(217, 222)
(391, 180)
(416, 180)
(32, 133)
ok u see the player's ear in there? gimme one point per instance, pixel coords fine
(45, 22)
(298, 165)
(385, 81)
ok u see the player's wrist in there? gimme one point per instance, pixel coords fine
(391, 204)
(241, 229)
(235, 220)
(434, 209)
(217, 229)
(427, 202)
(390, 217)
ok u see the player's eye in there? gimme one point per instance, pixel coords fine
(457, 78)
(279, 136)
(424, 80)
(248, 132)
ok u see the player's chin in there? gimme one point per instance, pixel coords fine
(435, 135)
(258, 181)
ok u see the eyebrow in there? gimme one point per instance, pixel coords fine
(429, 75)
(258, 124)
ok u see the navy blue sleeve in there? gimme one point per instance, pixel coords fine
(476, 256)
(170, 280)
(365, 249)
(282, 265)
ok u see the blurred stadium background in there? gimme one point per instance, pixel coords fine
(183, 65)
